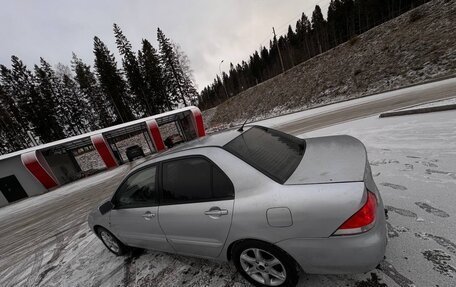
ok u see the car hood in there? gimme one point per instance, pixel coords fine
(331, 159)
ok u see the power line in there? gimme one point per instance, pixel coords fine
(289, 21)
(267, 38)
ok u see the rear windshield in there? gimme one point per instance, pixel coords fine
(274, 153)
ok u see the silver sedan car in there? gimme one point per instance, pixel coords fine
(273, 204)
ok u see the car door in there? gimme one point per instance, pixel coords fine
(134, 217)
(196, 206)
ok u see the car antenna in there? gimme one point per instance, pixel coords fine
(241, 129)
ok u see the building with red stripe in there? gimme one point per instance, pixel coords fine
(42, 168)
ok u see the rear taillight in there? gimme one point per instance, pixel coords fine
(362, 220)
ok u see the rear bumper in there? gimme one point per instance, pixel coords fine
(340, 254)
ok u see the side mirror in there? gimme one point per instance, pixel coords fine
(106, 207)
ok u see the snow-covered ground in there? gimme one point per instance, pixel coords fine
(413, 160)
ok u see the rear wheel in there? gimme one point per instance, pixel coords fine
(263, 264)
(111, 242)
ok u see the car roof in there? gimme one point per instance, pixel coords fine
(218, 139)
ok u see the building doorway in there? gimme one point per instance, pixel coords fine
(12, 189)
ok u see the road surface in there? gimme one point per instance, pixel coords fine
(26, 228)
(318, 118)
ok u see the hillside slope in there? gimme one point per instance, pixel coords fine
(417, 46)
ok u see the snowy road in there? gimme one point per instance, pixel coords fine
(45, 240)
(318, 118)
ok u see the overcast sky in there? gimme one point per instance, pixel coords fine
(208, 30)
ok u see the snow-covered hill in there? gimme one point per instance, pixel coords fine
(417, 46)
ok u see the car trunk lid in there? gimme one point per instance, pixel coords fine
(331, 159)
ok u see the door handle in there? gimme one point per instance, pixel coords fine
(148, 215)
(216, 212)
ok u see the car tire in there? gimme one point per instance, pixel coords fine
(111, 242)
(263, 264)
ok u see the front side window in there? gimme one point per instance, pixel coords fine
(194, 180)
(139, 190)
(274, 153)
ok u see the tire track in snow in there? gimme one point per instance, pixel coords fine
(391, 231)
(59, 246)
(103, 279)
(394, 186)
(400, 211)
(81, 247)
(389, 270)
(430, 209)
(61, 241)
(442, 241)
(5, 281)
(33, 276)
(130, 264)
(440, 260)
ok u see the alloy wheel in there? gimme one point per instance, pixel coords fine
(110, 241)
(263, 267)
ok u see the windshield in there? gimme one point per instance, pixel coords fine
(274, 153)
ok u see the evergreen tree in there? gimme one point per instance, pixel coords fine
(303, 30)
(188, 82)
(37, 113)
(291, 42)
(318, 27)
(74, 102)
(60, 93)
(50, 124)
(266, 61)
(132, 71)
(99, 105)
(151, 69)
(255, 67)
(16, 120)
(11, 131)
(171, 70)
(111, 81)
(234, 84)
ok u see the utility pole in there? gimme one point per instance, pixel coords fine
(278, 48)
(221, 75)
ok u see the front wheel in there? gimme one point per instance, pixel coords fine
(263, 264)
(111, 242)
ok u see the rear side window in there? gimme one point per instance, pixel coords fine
(194, 180)
(221, 184)
(273, 153)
